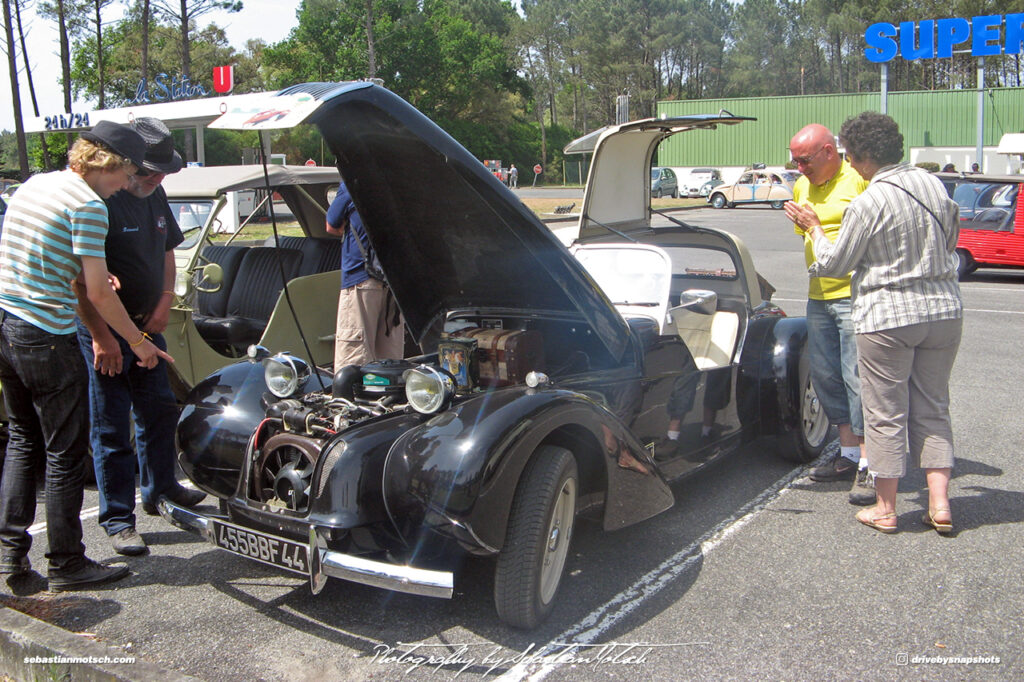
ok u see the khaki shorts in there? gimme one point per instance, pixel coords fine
(363, 332)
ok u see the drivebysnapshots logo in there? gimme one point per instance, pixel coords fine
(917, 659)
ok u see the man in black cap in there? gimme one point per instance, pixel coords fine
(140, 253)
(52, 259)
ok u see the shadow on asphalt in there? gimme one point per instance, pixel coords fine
(601, 567)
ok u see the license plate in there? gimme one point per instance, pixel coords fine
(262, 547)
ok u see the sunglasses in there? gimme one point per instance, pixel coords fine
(804, 160)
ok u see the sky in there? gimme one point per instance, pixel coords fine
(251, 22)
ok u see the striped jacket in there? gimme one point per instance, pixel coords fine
(898, 239)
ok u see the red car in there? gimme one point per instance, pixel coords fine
(991, 220)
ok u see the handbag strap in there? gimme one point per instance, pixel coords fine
(923, 205)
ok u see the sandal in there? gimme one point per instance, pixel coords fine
(942, 527)
(865, 517)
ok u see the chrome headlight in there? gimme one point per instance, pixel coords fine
(284, 373)
(428, 390)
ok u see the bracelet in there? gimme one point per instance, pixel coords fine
(139, 342)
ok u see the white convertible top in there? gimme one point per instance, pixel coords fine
(213, 181)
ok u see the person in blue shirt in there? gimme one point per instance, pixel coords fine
(368, 327)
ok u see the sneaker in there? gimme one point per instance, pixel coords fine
(183, 497)
(13, 566)
(90, 573)
(837, 469)
(128, 542)
(863, 491)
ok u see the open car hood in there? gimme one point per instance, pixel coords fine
(618, 192)
(448, 234)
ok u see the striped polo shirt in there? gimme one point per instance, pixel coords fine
(51, 222)
(900, 252)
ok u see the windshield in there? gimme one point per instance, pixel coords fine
(654, 173)
(191, 216)
(627, 276)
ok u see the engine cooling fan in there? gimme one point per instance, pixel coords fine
(285, 471)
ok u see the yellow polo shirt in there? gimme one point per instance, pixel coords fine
(829, 201)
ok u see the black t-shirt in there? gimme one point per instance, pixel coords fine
(141, 232)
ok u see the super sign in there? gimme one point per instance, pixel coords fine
(937, 38)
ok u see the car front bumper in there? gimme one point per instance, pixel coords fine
(323, 563)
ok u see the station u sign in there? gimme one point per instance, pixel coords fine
(223, 79)
(986, 35)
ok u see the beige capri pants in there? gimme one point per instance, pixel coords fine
(904, 374)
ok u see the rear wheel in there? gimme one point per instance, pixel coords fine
(964, 262)
(778, 204)
(718, 201)
(541, 520)
(805, 442)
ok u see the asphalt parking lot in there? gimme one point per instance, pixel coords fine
(755, 573)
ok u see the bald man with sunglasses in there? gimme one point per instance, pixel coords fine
(828, 185)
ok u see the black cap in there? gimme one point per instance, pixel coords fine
(120, 139)
(161, 157)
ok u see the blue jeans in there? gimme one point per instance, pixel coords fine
(146, 394)
(44, 392)
(832, 352)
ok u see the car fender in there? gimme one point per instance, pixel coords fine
(775, 349)
(456, 474)
(219, 416)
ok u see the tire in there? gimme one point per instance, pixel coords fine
(718, 201)
(777, 205)
(532, 562)
(657, 194)
(805, 443)
(964, 262)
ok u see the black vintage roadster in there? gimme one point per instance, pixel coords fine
(548, 385)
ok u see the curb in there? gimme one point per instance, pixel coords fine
(64, 655)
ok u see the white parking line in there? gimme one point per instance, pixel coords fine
(594, 625)
(92, 512)
(986, 310)
(89, 513)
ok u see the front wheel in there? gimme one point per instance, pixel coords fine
(656, 194)
(540, 526)
(718, 201)
(805, 442)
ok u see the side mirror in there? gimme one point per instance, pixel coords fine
(701, 301)
(211, 275)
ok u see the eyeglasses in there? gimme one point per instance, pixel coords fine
(804, 160)
(142, 173)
